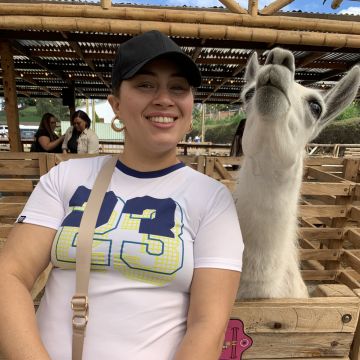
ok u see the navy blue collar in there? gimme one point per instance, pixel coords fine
(148, 174)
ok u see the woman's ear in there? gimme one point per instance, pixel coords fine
(115, 103)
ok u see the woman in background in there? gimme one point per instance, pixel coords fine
(79, 138)
(46, 140)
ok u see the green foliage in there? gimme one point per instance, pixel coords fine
(340, 132)
(352, 111)
(53, 106)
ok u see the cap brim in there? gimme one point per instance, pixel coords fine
(186, 64)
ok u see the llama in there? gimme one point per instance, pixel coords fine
(282, 116)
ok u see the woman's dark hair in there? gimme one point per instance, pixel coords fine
(45, 125)
(82, 115)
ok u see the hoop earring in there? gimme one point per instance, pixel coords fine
(116, 128)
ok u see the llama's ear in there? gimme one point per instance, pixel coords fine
(251, 67)
(341, 95)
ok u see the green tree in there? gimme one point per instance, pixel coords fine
(54, 106)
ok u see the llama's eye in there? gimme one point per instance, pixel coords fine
(315, 108)
(249, 94)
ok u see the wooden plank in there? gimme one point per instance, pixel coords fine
(19, 155)
(321, 175)
(320, 254)
(333, 290)
(346, 278)
(221, 170)
(355, 348)
(14, 199)
(317, 315)
(322, 211)
(351, 260)
(355, 213)
(19, 171)
(209, 166)
(50, 161)
(273, 346)
(332, 189)
(321, 233)
(351, 167)
(11, 209)
(353, 235)
(322, 275)
(311, 161)
(5, 230)
(16, 185)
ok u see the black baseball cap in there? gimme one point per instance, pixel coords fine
(133, 54)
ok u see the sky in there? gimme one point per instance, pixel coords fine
(347, 6)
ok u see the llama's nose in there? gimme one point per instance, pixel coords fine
(283, 57)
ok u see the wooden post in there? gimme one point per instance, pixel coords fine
(203, 123)
(93, 113)
(11, 109)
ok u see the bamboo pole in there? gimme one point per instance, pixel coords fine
(106, 4)
(275, 6)
(336, 3)
(176, 29)
(253, 7)
(11, 109)
(181, 16)
(233, 6)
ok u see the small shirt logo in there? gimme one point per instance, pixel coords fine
(21, 219)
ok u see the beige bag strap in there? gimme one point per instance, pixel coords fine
(79, 302)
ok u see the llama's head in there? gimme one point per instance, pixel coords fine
(282, 115)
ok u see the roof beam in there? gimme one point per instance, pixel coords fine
(274, 7)
(226, 79)
(24, 51)
(31, 80)
(233, 6)
(76, 47)
(309, 59)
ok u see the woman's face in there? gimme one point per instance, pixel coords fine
(79, 124)
(53, 123)
(155, 107)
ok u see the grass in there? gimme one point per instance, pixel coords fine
(27, 115)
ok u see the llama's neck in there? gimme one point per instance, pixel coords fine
(267, 201)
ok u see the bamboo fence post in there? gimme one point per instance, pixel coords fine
(11, 109)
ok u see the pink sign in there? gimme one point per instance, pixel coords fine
(236, 341)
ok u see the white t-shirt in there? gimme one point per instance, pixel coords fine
(153, 229)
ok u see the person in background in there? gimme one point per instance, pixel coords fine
(46, 140)
(165, 268)
(80, 139)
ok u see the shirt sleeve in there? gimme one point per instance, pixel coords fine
(68, 134)
(93, 143)
(45, 206)
(219, 243)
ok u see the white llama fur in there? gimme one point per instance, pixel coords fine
(282, 117)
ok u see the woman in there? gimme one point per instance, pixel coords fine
(79, 138)
(46, 139)
(168, 273)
